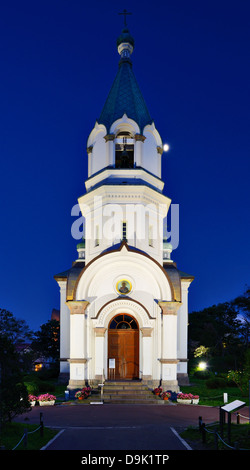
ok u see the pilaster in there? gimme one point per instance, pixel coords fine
(99, 352)
(77, 359)
(139, 139)
(110, 149)
(168, 358)
(64, 329)
(147, 353)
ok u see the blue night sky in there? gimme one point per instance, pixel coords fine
(58, 62)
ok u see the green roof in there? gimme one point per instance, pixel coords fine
(125, 36)
(125, 97)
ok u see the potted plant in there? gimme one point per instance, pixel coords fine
(165, 395)
(158, 391)
(84, 393)
(79, 395)
(184, 398)
(32, 400)
(46, 399)
(195, 399)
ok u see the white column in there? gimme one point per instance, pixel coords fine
(77, 358)
(147, 353)
(89, 152)
(110, 149)
(64, 329)
(169, 359)
(182, 341)
(99, 353)
(139, 139)
(160, 152)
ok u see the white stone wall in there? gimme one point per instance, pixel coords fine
(64, 329)
(182, 338)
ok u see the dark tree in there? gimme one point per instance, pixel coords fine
(14, 329)
(13, 393)
(47, 340)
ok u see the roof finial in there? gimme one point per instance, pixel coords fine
(125, 13)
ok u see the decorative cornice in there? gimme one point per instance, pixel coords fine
(140, 137)
(77, 361)
(99, 331)
(77, 306)
(109, 137)
(146, 332)
(169, 308)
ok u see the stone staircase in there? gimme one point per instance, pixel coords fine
(129, 392)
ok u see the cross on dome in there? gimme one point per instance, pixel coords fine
(125, 13)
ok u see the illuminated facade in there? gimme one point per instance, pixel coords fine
(124, 303)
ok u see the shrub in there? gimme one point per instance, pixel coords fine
(47, 374)
(32, 388)
(216, 383)
(202, 374)
(46, 386)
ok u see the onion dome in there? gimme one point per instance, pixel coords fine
(125, 96)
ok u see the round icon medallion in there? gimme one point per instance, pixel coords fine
(123, 286)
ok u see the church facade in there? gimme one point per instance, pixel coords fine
(124, 303)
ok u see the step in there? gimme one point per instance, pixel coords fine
(126, 389)
(135, 401)
(127, 392)
(124, 384)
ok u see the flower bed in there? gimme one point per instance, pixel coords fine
(187, 398)
(183, 398)
(46, 399)
(32, 400)
(195, 399)
(84, 393)
(165, 395)
(158, 391)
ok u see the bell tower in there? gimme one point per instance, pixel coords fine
(124, 169)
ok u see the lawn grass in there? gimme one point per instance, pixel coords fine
(240, 433)
(212, 397)
(11, 434)
(240, 436)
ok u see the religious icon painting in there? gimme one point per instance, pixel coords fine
(123, 286)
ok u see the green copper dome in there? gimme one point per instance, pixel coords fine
(125, 96)
(167, 245)
(125, 36)
(81, 244)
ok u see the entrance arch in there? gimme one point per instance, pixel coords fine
(123, 346)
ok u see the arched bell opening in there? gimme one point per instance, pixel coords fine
(124, 150)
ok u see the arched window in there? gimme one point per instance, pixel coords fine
(123, 322)
(124, 150)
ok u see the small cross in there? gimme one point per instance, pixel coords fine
(125, 13)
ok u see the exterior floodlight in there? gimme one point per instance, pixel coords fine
(166, 147)
(202, 366)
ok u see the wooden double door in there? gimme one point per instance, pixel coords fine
(123, 346)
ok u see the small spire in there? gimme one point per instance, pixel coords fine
(125, 13)
(125, 44)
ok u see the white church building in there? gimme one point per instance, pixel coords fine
(124, 302)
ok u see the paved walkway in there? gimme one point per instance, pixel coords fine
(120, 427)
